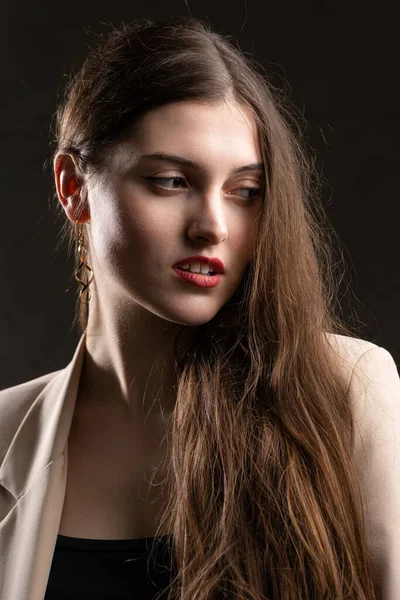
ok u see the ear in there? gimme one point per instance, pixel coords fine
(68, 185)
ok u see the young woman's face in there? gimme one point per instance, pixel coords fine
(188, 182)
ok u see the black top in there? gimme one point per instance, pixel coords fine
(85, 569)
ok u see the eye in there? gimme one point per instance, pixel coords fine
(168, 183)
(251, 193)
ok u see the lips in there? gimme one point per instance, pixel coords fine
(215, 264)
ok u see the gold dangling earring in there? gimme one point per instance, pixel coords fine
(82, 255)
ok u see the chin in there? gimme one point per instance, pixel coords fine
(190, 322)
(191, 316)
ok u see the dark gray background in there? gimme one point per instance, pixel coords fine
(341, 63)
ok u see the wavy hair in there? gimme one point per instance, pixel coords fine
(265, 502)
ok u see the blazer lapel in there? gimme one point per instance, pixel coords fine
(33, 479)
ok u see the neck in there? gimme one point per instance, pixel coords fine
(129, 362)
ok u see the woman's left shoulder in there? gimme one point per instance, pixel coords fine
(365, 362)
(374, 394)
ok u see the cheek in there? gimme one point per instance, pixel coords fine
(149, 230)
(244, 242)
(145, 236)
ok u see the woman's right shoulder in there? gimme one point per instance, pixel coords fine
(15, 403)
(26, 389)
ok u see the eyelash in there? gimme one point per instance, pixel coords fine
(182, 179)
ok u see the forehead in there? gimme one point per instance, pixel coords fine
(204, 132)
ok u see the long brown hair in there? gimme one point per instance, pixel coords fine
(265, 502)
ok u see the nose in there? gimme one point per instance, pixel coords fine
(208, 220)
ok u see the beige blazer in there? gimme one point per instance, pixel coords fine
(35, 419)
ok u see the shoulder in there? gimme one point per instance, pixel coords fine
(364, 362)
(25, 391)
(373, 389)
(15, 403)
(350, 348)
(374, 394)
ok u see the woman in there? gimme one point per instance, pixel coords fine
(215, 404)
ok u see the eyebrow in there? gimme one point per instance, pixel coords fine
(193, 165)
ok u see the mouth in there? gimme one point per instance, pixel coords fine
(201, 264)
(203, 280)
(209, 273)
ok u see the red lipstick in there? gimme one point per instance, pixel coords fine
(205, 281)
(215, 264)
